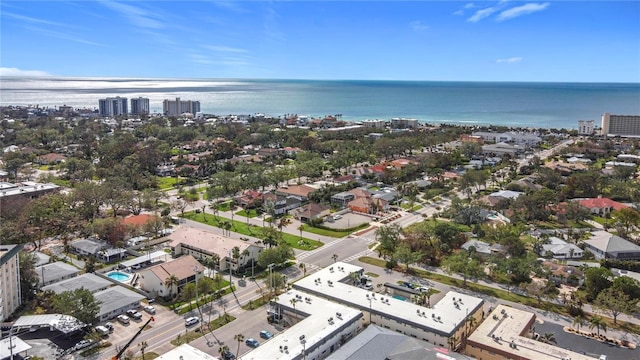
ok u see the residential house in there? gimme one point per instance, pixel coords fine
(498, 197)
(302, 192)
(311, 212)
(605, 245)
(564, 274)
(54, 272)
(560, 249)
(101, 250)
(601, 206)
(154, 280)
(249, 198)
(166, 169)
(282, 204)
(483, 249)
(116, 300)
(10, 295)
(50, 159)
(88, 281)
(203, 245)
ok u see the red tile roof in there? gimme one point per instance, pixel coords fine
(601, 203)
(138, 220)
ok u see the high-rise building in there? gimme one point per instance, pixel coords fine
(179, 107)
(139, 105)
(113, 106)
(585, 127)
(10, 295)
(621, 125)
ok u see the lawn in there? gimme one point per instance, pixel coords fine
(167, 182)
(252, 213)
(241, 227)
(225, 206)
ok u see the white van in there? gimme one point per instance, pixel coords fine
(102, 330)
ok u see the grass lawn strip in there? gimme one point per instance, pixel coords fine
(197, 333)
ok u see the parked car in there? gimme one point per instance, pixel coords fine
(407, 284)
(252, 342)
(422, 288)
(123, 319)
(228, 355)
(109, 326)
(134, 314)
(266, 334)
(337, 217)
(83, 344)
(191, 321)
(102, 330)
(150, 309)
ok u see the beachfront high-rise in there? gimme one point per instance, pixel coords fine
(139, 105)
(621, 125)
(586, 127)
(113, 106)
(179, 107)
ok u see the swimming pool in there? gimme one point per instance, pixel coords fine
(401, 298)
(119, 276)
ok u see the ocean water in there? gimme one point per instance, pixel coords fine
(540, 105)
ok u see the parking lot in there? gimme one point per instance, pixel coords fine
(347, 221)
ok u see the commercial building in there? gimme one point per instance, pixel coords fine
(178, 107)
(319, 328)
(10, 296)
(511, 137)
(404, 123)
(507, 333)
(620, 125)
(139, 106)
(186, 351)
(14, 195)
(439, 324)
(113, 106)
(586, 127)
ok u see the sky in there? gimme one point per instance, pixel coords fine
(557, 41)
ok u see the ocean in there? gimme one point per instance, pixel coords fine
(522, 104)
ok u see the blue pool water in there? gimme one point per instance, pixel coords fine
(402, 298)
(119, 276)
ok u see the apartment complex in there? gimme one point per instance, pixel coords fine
(178, 107)
(620, 125)
(10, 296)
(17, 194)
(113, 106)
(404, 123)
(586, 127)
(139, 106)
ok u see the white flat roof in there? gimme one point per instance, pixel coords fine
(63, 323)
(503, 327)
(315, 325)
(18, 346)
(443, 318)
(186, 351)
(151, 256)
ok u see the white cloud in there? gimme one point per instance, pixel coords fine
(227, 49)
(522, 10)
(10, 71)
(31, 19)
(137, 15)
(512, 60)
(469, 6)
(418, 26)
(482, 13)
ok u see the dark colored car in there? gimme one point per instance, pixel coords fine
(266, 334)
(228, 355)
(252, 342)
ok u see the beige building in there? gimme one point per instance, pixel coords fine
(507, 334)
(154, 279)
(620, 125)
(10, 296)
(203, 244)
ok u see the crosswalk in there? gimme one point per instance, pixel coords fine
(359, 255)
(309, 253)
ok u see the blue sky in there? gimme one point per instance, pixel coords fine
(580, 41)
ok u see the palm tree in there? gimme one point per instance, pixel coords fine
(578, 321)
(303, 267)
(300, 228)
(549, 338)
(452, 342)
(143, 345)
(471, 321)
(222, 349)
(235, 255)
(598, 323)
(284, 222)
(171, 281)
(239, 338)
(293, 303)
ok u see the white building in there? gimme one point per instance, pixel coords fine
(560, 249)
(10, 295)
(320, 326)
(585, 127)
(436, 325)
(377, 124)
(509, 137)
(140, 105)
(621, 125)
(404, 123)
(113, 106)
(178, 107)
